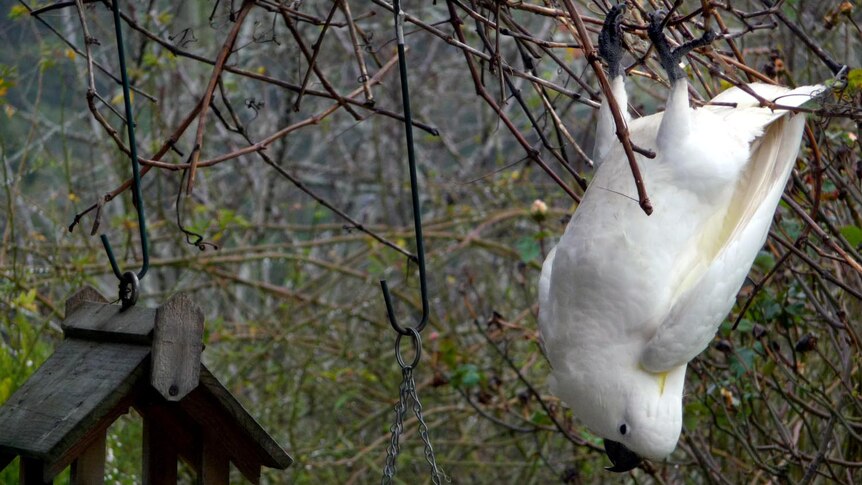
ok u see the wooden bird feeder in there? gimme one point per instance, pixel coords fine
(142, 358)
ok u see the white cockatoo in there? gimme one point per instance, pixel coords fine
(626, 299)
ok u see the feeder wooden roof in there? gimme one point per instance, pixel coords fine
(101, 369)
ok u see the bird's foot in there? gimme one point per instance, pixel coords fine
(611, 39)
(670, 58)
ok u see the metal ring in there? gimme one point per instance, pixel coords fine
(129, 289)
(417, 348)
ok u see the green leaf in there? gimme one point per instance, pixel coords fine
(794, 309)
(342, 400)
(745, 325)
(792, 226)
(854, 79)
(541, 419)
(467, 375)
(768, 368)
(764, 261)
(448, 352)
(5, 389)
(742, 361)
(19, 11)
(771, 310)
(528, 249)
(853, 235)
(695, 413)
(150, 60)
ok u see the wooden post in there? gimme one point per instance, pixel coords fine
(89, 467)
(177, 347)
(215, 463)
(159, 454)
(32, 472)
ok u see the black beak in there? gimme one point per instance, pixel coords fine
(623, 458)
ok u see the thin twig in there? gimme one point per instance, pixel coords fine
(223, 54)
(619, 121)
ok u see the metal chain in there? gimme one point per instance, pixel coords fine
(407, 392)
(396, 429)
(436, 474)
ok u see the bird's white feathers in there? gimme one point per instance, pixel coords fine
(605, 128)
(626, 299)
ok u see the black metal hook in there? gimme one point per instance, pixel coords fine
(414, 191)
(128, 285)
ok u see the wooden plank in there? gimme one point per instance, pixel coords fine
(68, 396)
(89, 467)
(177, 347)
(185, 432)
(243, 439)
(242, 451)
(273, 455)
(159, 454)
(106, 323)
(32, 472)
(85, 294)
(92, 435)
(215, 463)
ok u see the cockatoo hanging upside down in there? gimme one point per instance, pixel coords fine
(626, 299)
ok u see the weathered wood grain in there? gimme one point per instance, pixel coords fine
(87, 293)
(91, 435)
(170, 418)
(177, 347)
(68, 396)
(106, 323)
(245, 441)
(60, 415)
(89, 467)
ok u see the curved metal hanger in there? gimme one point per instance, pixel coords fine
(414, 190)
(129, 280)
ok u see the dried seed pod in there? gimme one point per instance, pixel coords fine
(723, 345)
(806, 343)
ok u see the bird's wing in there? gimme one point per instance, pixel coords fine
(744, 112)
(714, 275)
(545, 308)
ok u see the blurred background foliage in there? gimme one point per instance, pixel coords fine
(296, 324)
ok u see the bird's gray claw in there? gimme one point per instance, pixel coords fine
(611, 39)
(670, 58)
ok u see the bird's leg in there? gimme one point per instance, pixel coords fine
(611, 40)
(676, 124)
(670, 58)
(611, 50)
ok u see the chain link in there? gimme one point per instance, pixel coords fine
(396, 429)
(436, 474)
(407, 392)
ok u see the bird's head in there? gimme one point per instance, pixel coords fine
(648, 421)
(648, 427)
(639, 415)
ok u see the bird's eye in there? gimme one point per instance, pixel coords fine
(623, 429)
